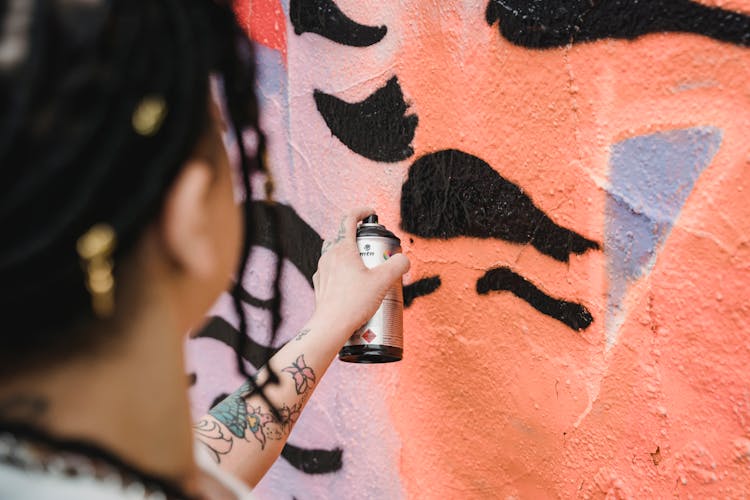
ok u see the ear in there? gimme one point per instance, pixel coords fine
(186, 231)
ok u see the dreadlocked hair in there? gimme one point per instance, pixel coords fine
(72, 72)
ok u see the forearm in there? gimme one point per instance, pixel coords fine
(242, 433)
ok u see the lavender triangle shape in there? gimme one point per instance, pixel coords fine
(650, 178)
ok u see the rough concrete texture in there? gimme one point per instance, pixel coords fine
(631, 138)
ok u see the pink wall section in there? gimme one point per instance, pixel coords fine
(638, 146)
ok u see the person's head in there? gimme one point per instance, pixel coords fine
(108, 121)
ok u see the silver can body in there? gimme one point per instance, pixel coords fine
(386, 327)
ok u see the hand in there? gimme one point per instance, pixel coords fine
(346, 292)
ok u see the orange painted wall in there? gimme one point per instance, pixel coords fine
(640, 146)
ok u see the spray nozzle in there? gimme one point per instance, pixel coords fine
(371, 219)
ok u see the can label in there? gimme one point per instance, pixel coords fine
(386, 326)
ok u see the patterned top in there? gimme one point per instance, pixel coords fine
(23, 476)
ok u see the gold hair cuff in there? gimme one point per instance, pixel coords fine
(149, 115)
(95, 249)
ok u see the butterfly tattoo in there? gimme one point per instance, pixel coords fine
(239, 417)
(303, 375)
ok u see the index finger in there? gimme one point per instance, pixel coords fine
(348, 227)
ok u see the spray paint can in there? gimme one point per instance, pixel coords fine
(381, 339)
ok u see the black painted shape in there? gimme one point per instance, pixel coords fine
(573, 315)
(192, 379)
(218, 328)
(556, 23)
(252, 300)
(420, 288)
(377, 128)
(451, 193)
(326, 19)
(313, 461)
(300, 243)
(218, 399)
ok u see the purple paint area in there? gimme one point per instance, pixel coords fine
(272, 77)
(273, 96)
(650, 179)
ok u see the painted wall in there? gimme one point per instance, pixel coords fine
(571, 184)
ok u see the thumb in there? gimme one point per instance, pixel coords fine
(391, 270)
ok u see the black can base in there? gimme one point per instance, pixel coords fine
(370, 354)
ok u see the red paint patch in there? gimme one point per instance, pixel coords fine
(368, 336)
(264, 22)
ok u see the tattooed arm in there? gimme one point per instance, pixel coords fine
(242, 432)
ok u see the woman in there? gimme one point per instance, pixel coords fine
(119, 231)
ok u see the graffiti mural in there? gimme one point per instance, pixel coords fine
(568, 180)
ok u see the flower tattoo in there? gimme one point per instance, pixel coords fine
(303, 375)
